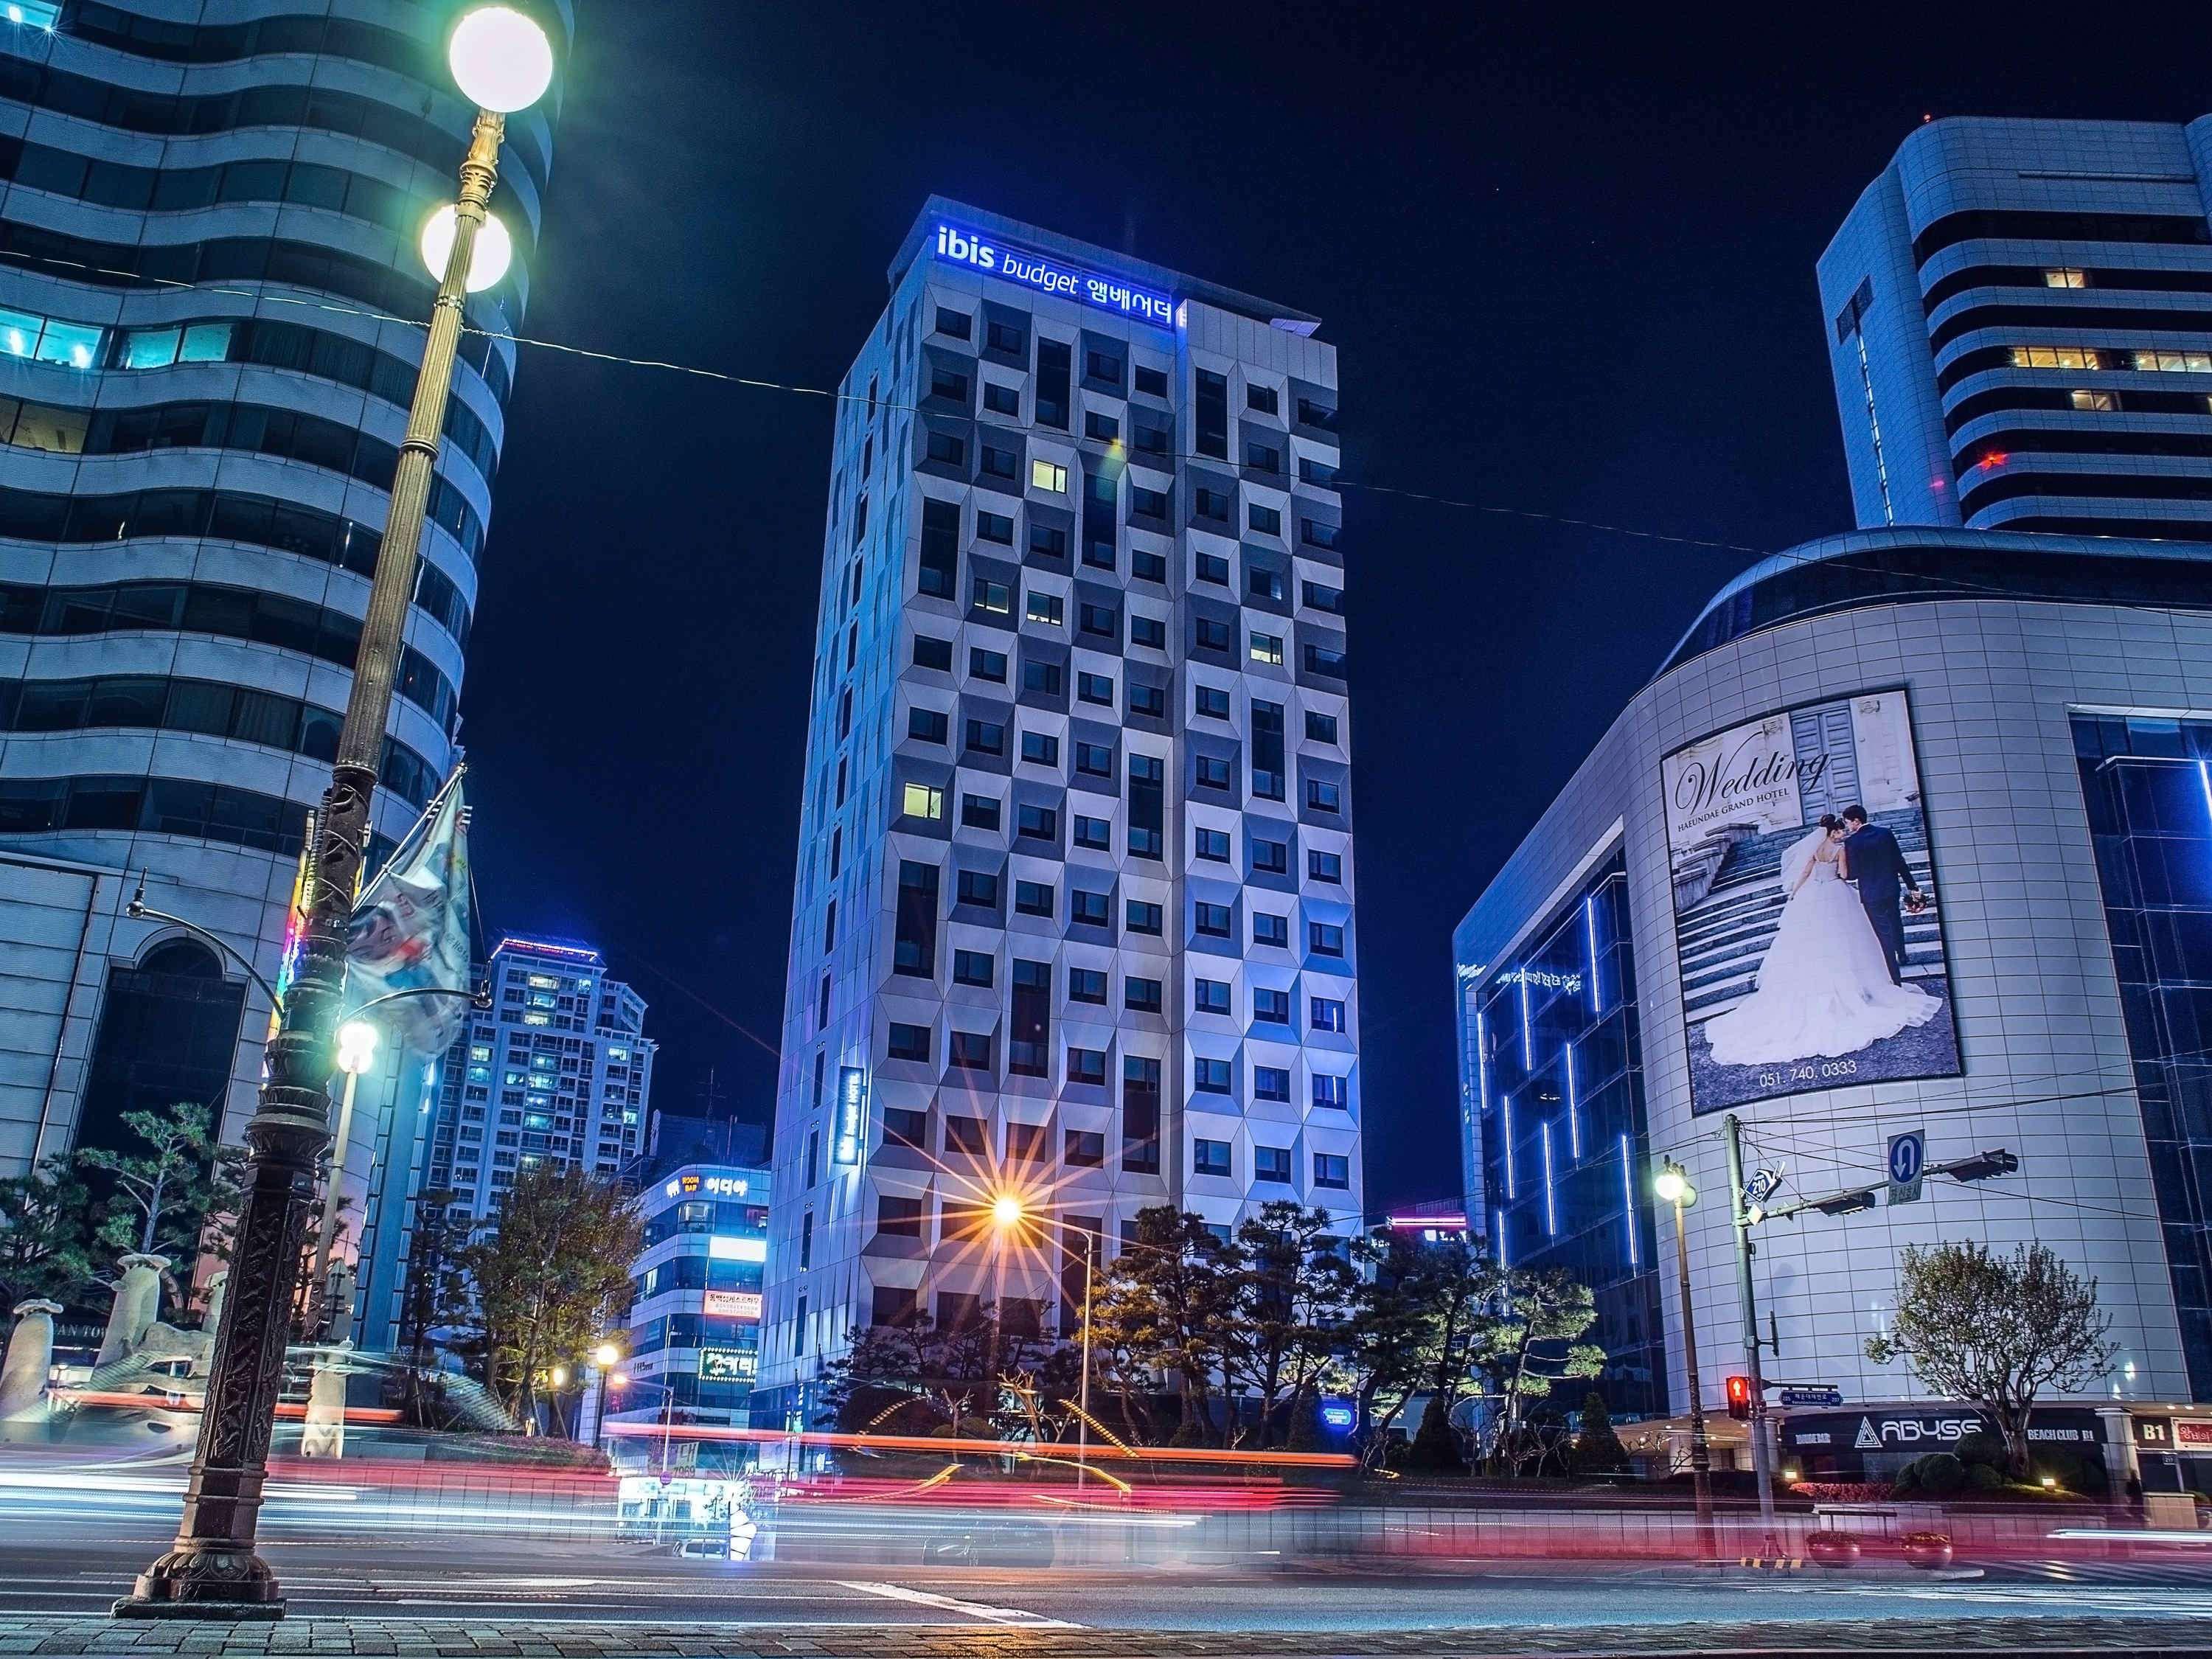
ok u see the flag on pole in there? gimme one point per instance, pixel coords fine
(411, 931)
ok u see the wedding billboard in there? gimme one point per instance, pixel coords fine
(1807, 922)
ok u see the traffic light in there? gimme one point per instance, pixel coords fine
(1739, 1398)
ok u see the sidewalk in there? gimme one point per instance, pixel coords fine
(411, 1638)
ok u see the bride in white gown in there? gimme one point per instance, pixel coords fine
(1824, 985)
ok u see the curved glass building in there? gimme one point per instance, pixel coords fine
(210, 309)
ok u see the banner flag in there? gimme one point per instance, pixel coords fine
(411, 931)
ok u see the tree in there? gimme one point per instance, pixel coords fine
(43, 1248)
(1598, 1449)
(161, 1199)
(918, 1377)
(1290, 1295)
(435, 1292)
(1381, 1348)
(1997, 1330)
(552, 1277)
(1525, 1342)
(1164, 1305)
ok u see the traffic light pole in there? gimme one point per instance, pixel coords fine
(1762, 1457)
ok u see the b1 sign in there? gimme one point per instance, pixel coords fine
(1050, 275)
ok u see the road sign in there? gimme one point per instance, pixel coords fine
(1908, 1157)
(1812, 1396)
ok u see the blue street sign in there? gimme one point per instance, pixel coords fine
(1908, 1156)
(1812, 1396)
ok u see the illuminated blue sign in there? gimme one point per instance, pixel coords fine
(1049, 275)
(852, 1114)
(1339, 1415)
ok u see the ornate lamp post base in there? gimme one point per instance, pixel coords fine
(205, 1583)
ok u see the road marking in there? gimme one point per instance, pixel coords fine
(953, 1604)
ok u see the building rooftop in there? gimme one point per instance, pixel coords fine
(1101, 260)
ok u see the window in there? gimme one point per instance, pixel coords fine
(1040, 749)
(1271, 857)
(1324, 659)
(1213, 844)
(1209, 1157)
(2102, 403)
(1210, 996)
(1150, 700)
(1263, 458)
(1085, 1149)
(1331, 1091)
(1002, 399)
(1104, 428)
(1094, 760)
(1213, 920)
(1087, 985)
(1147, 503)
(995, 527)
(1100, 621)
(957, 323)
(932, 653)
(948, 383)
(1151, 437)
(1149, 631)
(1212, 771)
(1319, 415)
(1036, 822)
(925, 725)
(1045, 678)
(986, 664)
(1325, 939)
(1028, 1143)
(1140, 996)
(1271, 1164)
(994, 597)
(966, 1134)
(1000, 463)
(1087, 1066)
(1092, 909)
(1271, 930)
(971, 968)
(1210, 504)
(909, 1042)
(904, 1127)
(1209, 703)
(914, 947)
(1321, 728)
(979, 812)
(1332, 1170)
(948, 449)
(2066, 277)
(1325, 866)
(1141, 917)
(1151, 382)
(1271, 1083)
(1211, 633)
(1320, 598)
(1046, 608)
(1210, 568)
(986, 738)
(1096, 833)
(1095, 687)
(969, 1051)
(900, 1218)
(1270, 1007)
(1008, 338)
(1210, 404)
(1326, 1014)
(1266, 648)
(1048, 476)
(977, 887)
(1032, 898)
(922, 800)
(1323, 797)
(1209, 1077)
(1269, 522)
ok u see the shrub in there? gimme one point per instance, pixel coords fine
(1939, 1475)
(1982, 1477)
(1598, 1449)
(1435, 1450)
(1845, 1492)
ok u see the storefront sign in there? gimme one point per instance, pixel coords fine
(852, 1114)
(1049, 274)
(2191, 1434)
(727, 1364)
(734, 1304)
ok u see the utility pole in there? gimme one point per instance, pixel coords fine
(1673, 1187)
(1762, 1459)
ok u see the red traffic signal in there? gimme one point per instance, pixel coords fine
(1739, 1397)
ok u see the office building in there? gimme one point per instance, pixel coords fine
(199, 419)
(693, 1348)
(2023, 714)
(1075, 906)
(557, 1070)
(2021, 329)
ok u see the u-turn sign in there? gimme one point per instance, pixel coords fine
(1908, 1156)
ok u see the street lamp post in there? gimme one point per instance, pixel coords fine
(356, 1054)
(1672, 1185)
(502, 61)
(1008, 1211)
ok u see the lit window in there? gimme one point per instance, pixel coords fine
(205, 343)
(1044, 475)
(150, 347)
(2173, 362)
(1268, 648)
(39, 14)
(922, 800)
(1045, 608)
(2066, 277)
(70, 343)
(2068, 357)
(2102, 403)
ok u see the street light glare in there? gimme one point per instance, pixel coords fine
(1671, 1185)
(618, 1380)
(605, 1355)
(356, 1047)
(488, 262)
(500, 59)
(1006, 1210)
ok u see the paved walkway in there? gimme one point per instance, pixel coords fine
(2048, 1638)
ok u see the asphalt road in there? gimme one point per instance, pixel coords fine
(75, 1562)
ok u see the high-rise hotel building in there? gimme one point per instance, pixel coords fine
(1074, 909)
(207, 208)
(2020, 328)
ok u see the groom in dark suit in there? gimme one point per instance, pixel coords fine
(1877, 863)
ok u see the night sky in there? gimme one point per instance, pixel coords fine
(1567, 263)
